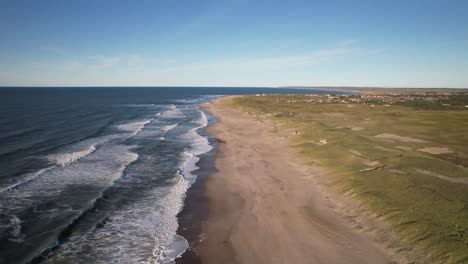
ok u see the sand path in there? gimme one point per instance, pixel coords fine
(264, 210)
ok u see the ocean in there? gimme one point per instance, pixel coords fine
(98, 175)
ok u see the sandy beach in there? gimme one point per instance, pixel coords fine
(263, 208)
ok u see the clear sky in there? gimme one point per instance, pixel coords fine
(408, 43)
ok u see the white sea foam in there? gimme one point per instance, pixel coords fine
(188, 166)
(138, 105)
(16, 235)
(74, 153)
(203, 120)
(99, 169)
(64, 159)
(174, 250)
(187, 101)
(168, 127)
(140, 232)
(24, 179)
(198, 146)
(133, 127)
(102, 168)
(172, 113)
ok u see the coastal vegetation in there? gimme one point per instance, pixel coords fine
(406, 162)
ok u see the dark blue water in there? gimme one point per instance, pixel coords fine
(99, 174)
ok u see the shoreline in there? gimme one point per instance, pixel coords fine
(195, 207)
(273, 213)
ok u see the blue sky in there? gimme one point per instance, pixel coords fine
(418, 43)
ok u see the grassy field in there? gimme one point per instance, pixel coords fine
(407, 165)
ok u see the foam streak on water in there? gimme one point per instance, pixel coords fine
(198, 145)
(64, 159)
(136, 233)
(24, 179)
(168, 127)
(134, 127)
(71, 154)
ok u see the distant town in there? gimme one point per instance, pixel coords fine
(450, 99)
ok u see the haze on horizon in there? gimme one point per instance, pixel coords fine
(421, 43)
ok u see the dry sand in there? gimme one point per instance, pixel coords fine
(263, 208)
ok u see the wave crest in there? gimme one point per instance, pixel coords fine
(133, 127)
(64, 159)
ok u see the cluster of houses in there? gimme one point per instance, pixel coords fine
(368, 99)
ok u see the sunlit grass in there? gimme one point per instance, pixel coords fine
(426, 211)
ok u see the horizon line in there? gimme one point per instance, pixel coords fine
(220, 86)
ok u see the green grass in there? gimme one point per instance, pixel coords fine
(428, 212)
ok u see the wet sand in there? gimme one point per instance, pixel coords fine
(263, 208)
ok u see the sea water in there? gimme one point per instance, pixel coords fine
(99, 174)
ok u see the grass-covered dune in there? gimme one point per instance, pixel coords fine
(406, 165)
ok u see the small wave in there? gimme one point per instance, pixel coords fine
(137, 105)
(173, 113)
(188, 166)
(134, 127)
(104, 166)
(149, 223)
(168, 127)
(203, 120)
(187, 101)
(174, 250)
(67, 232)
(25, 179)
(64, 159)
(180, 100)
(198, 146)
